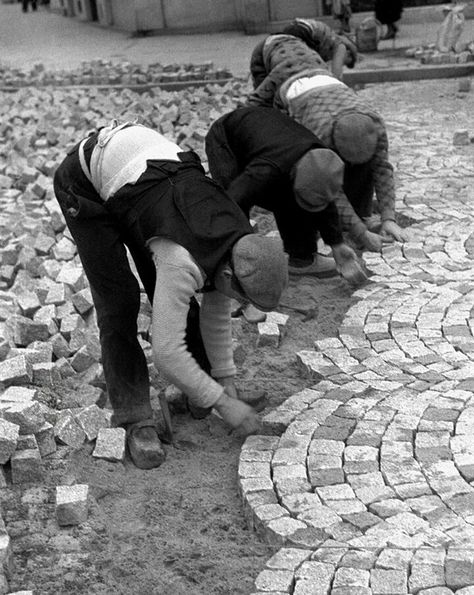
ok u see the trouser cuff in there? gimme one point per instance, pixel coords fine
(121, 417)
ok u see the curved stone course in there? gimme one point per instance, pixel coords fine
(365, 483)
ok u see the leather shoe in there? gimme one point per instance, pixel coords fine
(146, 450)
(197, 412)
(253, 315)
(322, 267)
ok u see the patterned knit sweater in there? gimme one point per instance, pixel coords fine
(289, 59)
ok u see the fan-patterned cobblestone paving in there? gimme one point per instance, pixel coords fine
(365, 481)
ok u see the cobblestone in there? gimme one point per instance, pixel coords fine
(398, 447)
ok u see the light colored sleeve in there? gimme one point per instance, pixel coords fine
(216, 330)
(178, 278)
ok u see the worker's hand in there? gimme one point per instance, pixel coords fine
(348, 265)
(228, 383)
(238, 415)
(373, 242)
(392, 230)
(255, 398)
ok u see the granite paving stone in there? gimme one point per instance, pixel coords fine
(407, 459)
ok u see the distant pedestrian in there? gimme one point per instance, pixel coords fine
(25, 3)
(342, 13)
(388, 13)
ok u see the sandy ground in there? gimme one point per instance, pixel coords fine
(179, 529)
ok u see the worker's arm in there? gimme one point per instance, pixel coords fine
(254, 184)
(338, 60)
(223, 165)
(385, 187)
(178, 278)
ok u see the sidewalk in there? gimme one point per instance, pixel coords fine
(62, 43)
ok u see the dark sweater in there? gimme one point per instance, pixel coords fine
(252, 152)
(171, 199)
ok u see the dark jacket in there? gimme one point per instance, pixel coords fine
(171, 199)
(252, 152)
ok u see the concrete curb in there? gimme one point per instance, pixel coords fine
(386, 75)
(351, 78)
(177, 86)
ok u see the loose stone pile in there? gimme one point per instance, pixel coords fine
(106, 72)
(51, 378)
(366, 479)
(429, 54)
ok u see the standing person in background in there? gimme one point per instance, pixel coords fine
(388, 12)
(341, 12)
(25, 3)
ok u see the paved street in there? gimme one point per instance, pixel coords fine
(61, 42)
(364, 484)
(372, 478)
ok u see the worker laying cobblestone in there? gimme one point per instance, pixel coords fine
(128, 184)
(389, 427)
(299, 83)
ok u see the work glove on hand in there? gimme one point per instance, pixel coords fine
(392, 230)
(348, 265)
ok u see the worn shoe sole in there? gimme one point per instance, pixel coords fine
(197, 412)
(145, 454)
(323, 267)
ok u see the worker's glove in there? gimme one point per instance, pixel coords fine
(390, 229)
(348, 265)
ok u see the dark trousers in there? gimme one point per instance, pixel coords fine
(116, 293)
(300, 229)
(24, 5)
(388, 11)
(359, 188)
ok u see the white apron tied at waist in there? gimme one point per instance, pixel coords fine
(305, 83)
(121, 154)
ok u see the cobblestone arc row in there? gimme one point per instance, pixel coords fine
(365, 481)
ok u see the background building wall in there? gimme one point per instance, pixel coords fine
(198, 14)
(250, 16)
